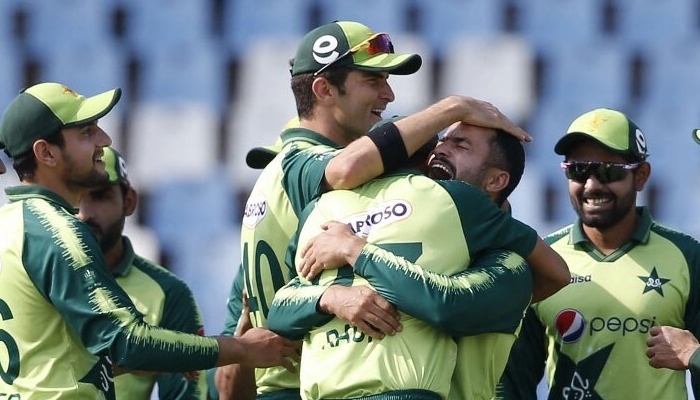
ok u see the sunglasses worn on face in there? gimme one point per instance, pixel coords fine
(379, 43)
(604, 172)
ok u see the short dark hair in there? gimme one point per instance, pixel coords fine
(506, 152)
(25, 163)
(301, 87)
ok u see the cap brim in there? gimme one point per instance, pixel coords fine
(696, 135)
(259, 157)
(95, 107)
(397, 64)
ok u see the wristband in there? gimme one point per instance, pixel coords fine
(390, 144)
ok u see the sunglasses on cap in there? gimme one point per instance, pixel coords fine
(379, 43)
(604, 172)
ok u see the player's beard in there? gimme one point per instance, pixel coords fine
(110, 235)
(606, 218)
(82, 180)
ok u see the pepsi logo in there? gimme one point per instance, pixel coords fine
(570, 325)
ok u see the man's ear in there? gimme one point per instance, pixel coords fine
(45, 153)
(131, 199)
(496, 180)
(641, 176)
(322, 89)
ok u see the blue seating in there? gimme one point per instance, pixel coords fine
(188, 70)
(248, 20)
(66, 21)
(155, 23)
(555, 23)
(381, 16)
(443, 20)
(499, 69)
(590, 75)
(672, 73)
(645, 23)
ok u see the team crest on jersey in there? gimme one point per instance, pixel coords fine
(654, 282)
(570, 325)
(379, 215)
(255, 210)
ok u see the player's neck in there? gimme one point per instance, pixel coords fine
(610, 239)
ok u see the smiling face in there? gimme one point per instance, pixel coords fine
(599, 205)
(361, 103)
(462, 154)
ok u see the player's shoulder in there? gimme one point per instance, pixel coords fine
(558, 235)
(167, 280)
(683, 241)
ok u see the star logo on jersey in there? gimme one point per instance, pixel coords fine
(654, 282)
(577, 380)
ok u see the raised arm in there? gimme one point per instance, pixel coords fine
(362, 160)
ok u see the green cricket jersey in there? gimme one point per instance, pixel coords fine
(63, 317)
(592, 334)
(440, 225)
(166, 301)
(270, 219)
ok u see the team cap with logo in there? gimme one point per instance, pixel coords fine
(115, 166)
(610, 128)
(42, 109)
(354, 45)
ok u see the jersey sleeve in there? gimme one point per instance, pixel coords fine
(692, 308)
(490, 296)
(304, 172)
(293, 313)
(181, 313)
(71, 273)
(526, 362)
(486, 226)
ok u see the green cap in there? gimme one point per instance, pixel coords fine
(326, 43)
(259, 157)
(696, 135)
(610, 128)
(42, 109)
(115, 166)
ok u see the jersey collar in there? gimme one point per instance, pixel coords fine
(125, 264)
(26, 192)
(640, 235)
(306, 135)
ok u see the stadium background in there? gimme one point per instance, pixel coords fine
(204, 80)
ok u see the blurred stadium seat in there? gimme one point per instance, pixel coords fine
(548, 24)
(246, 21)
(186, 70)
(590, 75)
(386, 15)
(166, 21)
(61, 22)
(412, 92)
(442, 20)
(499, 69)
(262, 105)
(170, 142)
(645, 23)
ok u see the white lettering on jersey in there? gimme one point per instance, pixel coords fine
(255, 210)
(379, 215)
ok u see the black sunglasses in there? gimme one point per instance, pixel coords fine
(604, 172)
